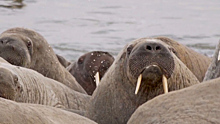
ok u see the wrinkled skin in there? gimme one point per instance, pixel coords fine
(114, 100)
(198, 104)
(22, 113)
(27, 48)
(28, 86)
(87, 66)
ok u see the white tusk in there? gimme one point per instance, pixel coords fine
(138, 84)
(97, 79)
(165, 86)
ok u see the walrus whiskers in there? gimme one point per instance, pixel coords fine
(138, 84)
(97, 79)
(165, 86)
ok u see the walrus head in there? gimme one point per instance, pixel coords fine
(27, 48)
(149, 63)
(16, 49)
(8, 82)
(90, 68)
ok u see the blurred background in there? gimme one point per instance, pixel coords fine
(74, 27)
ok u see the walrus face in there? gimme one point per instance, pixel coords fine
(17, 50)
(90, 68)
(8, 82)
(149, 62)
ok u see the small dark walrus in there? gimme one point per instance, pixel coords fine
(90, 68)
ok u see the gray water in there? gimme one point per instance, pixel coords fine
(74, 27)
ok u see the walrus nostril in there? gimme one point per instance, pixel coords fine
(4, 41)
(158, 48)
(148, 47)
(153, 47)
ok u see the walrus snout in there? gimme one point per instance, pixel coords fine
(152, 74)
(14, 51)
(150, 63)
(149, 53)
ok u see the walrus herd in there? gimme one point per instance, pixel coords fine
(152, 80)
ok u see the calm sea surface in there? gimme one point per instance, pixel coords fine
(74, 27)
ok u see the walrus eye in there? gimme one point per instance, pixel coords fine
(129, 49)
(80, 60)
(29, 44)
(15, 79)
(172, 50)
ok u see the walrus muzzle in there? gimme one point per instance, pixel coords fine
(150, 63)
(15, 51)
(152, 74)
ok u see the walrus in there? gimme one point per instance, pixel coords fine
(198, 104)
(65, 63)
(26, 85)
(90, 68)
(196, 62)
(144, 69)
(23, 113)
(27, 48)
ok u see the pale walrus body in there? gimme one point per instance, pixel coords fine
(27, 48)
(86, 68)
(196, 62)
(26, 85)
(22, 113)
(117, 96)
(198, 104)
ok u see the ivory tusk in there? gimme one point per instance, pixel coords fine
(165, 85)
(97, 79)
(138, 84)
